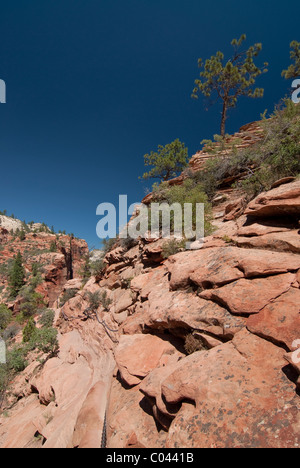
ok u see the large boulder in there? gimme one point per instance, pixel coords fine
(137, 355)
(129, 420)
(180, 312)
(238, 395)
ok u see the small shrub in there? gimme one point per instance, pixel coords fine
(95, 299)
(126, 282)
(85, 271)
(45, 340)
(16, 359)
(6, 267)
(172, 247)
(47, 318)
(53, 247)
(10, 332)
(36, 280)
(192, 344)
(5, 316)
(22, 235)
(97, 267)
(128, 243)
(36, 269)
(227, 239)
(67, 295)
(190, 192)
(4, 378)
(105, 300)
(108, 245)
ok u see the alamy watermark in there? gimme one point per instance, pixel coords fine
(2, 92)
(296, 93)
(2, 351)
(155, 221)
(296, 354)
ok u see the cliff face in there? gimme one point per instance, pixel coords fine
(236, 304)
(194, 351)
(47, 250)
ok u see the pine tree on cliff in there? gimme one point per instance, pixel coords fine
(16, 276)
(168, 161)
(227, 81)
(294, 69)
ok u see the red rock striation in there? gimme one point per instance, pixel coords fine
(248, 135)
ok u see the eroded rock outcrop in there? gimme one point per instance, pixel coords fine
(241, 388)
(235, 302)
(281, 201)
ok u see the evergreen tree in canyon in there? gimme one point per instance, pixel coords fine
(16, 276)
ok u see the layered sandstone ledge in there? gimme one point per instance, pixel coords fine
(236, 300)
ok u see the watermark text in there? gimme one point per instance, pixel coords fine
(2, 351)
(155, 221)
(296, 93)
(296, 354)
(2, 92)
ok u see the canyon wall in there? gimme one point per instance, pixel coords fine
(197, 350)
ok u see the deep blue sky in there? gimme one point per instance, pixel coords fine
(93, 85)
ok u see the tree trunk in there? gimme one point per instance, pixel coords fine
(224, 117)
(69, 261)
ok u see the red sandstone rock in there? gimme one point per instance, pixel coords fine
(279, 321)
(284, 180)
(133, 442)
(234, 210)
(216, 267)
(115, 256)
(257, 229)
(279, 241)
(144, 284)
(281, 201)
(211, 266)
(240, 393)
(137, 355)
(121, 300)
(152, 253)
(242, 397)
(250, 296)
(89, 425)
(179, 310)
(129, 412)
(19, 430)
(151, 387)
